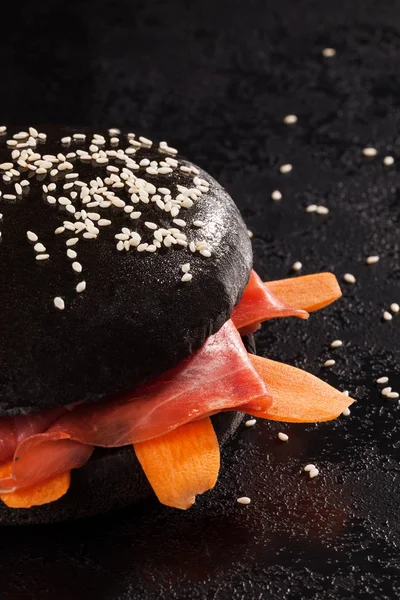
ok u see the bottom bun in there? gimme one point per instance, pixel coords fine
(112, 478)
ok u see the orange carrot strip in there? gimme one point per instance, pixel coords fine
(35, 495)
(181, 463)
(298, 396)
(309, 292)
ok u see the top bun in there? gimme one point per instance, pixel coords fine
(83, 326)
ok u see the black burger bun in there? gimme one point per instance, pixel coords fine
(135, 318)
(110, 480)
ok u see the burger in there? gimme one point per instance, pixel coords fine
(128, 304)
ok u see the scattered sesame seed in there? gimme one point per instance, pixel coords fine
(72, 241)
(370, 151)
(394, 307)
(243, 500)
(32, 237)
(77, 267)
(387, 316)
(71, 253)
(18, 188)
(388, 161)
(42, 136)
(187, 277)
(345, 393)
(311, 208)
(6, 166)
(313, 473)
(39, 247)
(145, 141)
(81, 287)
(276, 195)
(346, 412)
(386, 390)
(290, 119)
(336, 344)
(392, 395)
(185, 268)
(59, 303)
(322, 210)
(42, 256)
(3, 129)
(371, 260)
(349, 278)
(382, 380)
(283, 437)
(296, 266)
(309, 468)
(285, 168)
(328, 52)
(250, 233)
(205, 253)
(329, 363)
(250, 422)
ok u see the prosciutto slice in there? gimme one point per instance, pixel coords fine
(260, 304)
(219, 377)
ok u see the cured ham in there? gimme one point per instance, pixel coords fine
(218, 377)
(260, 304)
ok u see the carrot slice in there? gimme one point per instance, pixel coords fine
(35, 495)
(298, 396)
(310, 292)
(181, 463)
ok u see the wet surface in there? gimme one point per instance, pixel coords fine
(218, 84)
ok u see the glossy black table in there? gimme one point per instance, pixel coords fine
(217, 81)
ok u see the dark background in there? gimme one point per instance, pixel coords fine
(215, 79)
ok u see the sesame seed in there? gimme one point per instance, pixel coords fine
(297, 266)
(250, 422)
(392, 395)
(59, 303)
(382, 380)
(394, 307)
(322, 210)
(276, 195)
(346, 412)
(42, 256)
(59, 230)
(198, 223)
(71, 253)
(142, 247)
(387, 316)
(243, 500)
(285, 168)
(39, 248)
(77, 267)
(309, 468)
(66, 140)
(32, 237)
(103, 222)
(205, 253)
(42, 136)
(388, 161)
(349, 278)
(151, 225)
(290, 119)
(283, 437)
(250, 233)
(313, 473)
(386, 390)
(185, 268)
(179, 222)
(329, 363)
(345, 393)
(3, 129)
(145, 141)
(72, 241)
(336, 344)
(81, 287)
(369, 151)
(371, 260)
(79, 136)
(151, 248)
(6, 166)
(186, 277)
(25, 183)
(311, 208)
(329, 52)
(12, 143)
(18, 189)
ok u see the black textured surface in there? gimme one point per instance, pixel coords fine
(136, 319)
(217, 82)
